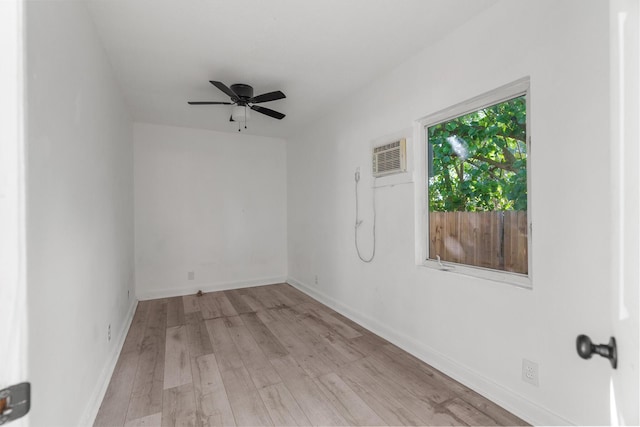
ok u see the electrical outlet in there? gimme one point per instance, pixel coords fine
(530, 372)
(316, 279)
(191, 275)
(109, 332)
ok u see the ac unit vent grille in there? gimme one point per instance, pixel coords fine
(390, 158)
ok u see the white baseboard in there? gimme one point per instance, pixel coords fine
(223, 286)
(91, 410)
(511, 401)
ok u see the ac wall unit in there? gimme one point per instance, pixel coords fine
(390, 158)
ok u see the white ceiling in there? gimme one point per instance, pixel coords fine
(318, 52)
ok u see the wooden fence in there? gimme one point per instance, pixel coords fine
(495, 240)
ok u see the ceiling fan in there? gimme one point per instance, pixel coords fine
(242, 97)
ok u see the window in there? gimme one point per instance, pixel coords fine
(477, 193)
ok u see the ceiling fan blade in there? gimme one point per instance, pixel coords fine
(209, 103)
(266, 97)
(268, 112)
(225, 89)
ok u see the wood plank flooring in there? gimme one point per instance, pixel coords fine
(271, 355)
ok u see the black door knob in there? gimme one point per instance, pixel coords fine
(586, 348)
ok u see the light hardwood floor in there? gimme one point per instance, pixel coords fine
(271, 355)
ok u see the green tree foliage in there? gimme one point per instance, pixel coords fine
(478, 161)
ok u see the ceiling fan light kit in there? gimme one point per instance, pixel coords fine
(240, 114)
(243, 100)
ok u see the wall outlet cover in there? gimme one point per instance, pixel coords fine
(530, 372)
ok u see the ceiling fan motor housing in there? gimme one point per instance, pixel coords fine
(244, 92)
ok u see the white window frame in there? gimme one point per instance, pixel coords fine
(496, 96)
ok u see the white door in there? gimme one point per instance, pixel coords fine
(13, 360)
(625, 197)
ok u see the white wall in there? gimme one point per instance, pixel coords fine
(210, 203)
(13, 313)
(79, 214)
(625, 201)
(476, 330)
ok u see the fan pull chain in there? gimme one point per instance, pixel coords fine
(245, 120)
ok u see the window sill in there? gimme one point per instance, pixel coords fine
(520, 280)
